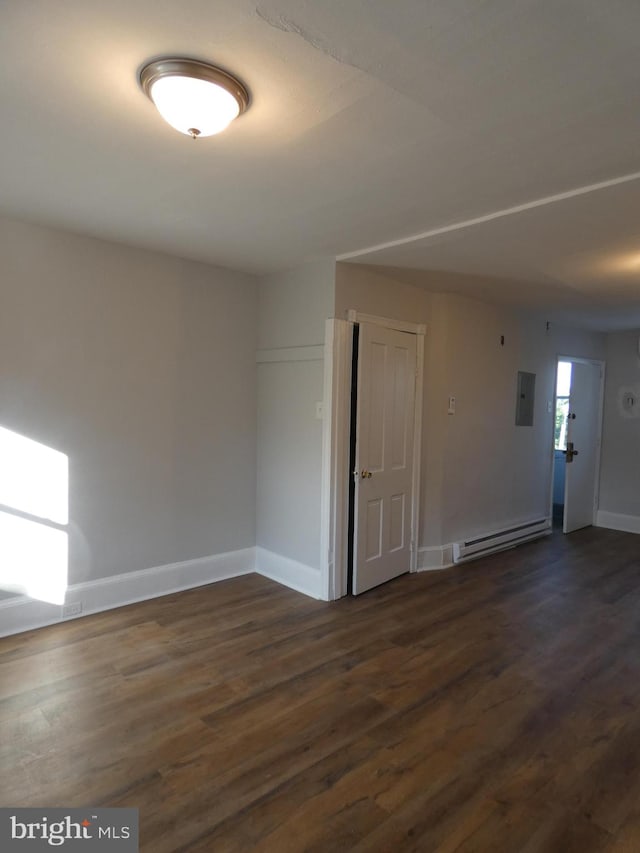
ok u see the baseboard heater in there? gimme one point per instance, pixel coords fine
(500, 540)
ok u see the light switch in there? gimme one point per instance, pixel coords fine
(452, 406)
(319, 411)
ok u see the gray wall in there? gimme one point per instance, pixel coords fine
(480, 472)
(374, 290)
(620, 466)
(497, 473)
(141, 367)
(294, 305)
(293, 309)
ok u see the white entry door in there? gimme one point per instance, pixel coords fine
(384, 455)
(583, 435)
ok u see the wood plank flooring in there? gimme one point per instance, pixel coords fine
(492, 707)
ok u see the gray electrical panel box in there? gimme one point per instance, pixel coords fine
(525, 398)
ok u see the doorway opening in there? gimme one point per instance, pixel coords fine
(560, 423)
(576, 442)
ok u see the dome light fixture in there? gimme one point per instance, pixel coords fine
(196, 98)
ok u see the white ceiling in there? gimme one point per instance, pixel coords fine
(371, 122)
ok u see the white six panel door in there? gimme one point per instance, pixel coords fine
(384, 455)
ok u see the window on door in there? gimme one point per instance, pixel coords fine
(563, 390)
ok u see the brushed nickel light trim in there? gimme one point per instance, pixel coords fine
(195, 69)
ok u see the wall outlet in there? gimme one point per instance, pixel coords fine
(74, 608)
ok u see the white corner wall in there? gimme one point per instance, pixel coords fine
(140, 367)
(293, 309)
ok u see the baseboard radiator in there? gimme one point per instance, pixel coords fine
(500, 540)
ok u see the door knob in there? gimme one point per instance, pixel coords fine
(570, 452)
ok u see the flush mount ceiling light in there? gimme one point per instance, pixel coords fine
(196, 98)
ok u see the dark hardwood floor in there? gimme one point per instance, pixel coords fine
(492, 707)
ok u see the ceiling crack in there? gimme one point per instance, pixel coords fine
(316, 41)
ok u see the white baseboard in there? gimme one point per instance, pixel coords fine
(436, 557)
(23, 613)
(618, 521)
(289, 572)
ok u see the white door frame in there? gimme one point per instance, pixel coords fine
(336, 439)
(595, 362)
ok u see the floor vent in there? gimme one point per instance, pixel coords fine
(500, 540)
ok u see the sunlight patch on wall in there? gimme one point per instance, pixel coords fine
(33, 558)
(35, 478)
(34, 511)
